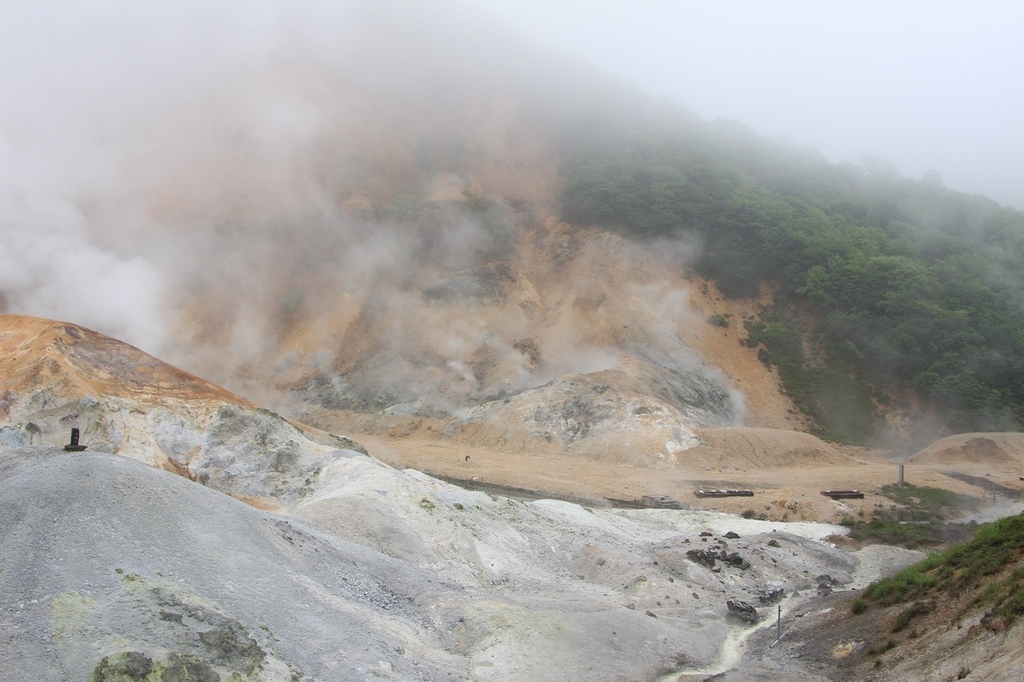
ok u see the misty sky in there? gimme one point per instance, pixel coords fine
(925, 84)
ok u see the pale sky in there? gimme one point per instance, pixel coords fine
(925, 84)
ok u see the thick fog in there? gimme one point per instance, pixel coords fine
(217, 182)
(924, 84)
(129, 130)
(179, 174)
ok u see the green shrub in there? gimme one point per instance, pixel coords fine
(906, 615)
(881, 647)
(718, 320)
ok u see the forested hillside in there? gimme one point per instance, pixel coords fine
(886, 287)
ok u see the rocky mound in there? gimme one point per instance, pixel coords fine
(974, 448)
(43, 361)
(623, 414)
(58, 376)
(638, 412)
(764, 449)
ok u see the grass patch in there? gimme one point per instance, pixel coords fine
(922, 503)
(858, 606)
(1007, 597)
(907, 615)
(919, 520)
(910, 582)
(891, 532)
(994, 549)
(887, 529)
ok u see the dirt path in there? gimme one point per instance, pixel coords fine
(781, 493)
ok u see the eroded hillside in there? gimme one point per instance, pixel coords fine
(134, 572)
(367, 225)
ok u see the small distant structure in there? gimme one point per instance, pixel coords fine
(73, 446)
(728, 492)
(659, 502)
(843, 494)
(646, 502)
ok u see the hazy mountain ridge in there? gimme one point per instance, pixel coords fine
(366, 209)
(367, 218)
(870, 271)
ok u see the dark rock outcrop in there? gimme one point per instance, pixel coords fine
(742, 611)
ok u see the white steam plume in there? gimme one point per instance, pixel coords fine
(193, 178)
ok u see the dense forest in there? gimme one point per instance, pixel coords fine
(901, 288)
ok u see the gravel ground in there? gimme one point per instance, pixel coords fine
(374, 574)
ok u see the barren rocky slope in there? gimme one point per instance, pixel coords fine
(391, 243)
(390, 576)
(111, 567)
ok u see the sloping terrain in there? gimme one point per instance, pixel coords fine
(954, 616)
(108, 563)
(580, 356)
(999, 449)
(823, 642)
(114, 568)
(46, 358)
(58, 376)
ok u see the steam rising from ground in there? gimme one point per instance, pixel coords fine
(124, 127)
(325, 190)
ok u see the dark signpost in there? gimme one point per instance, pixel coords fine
(73, 446)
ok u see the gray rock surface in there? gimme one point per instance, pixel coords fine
(111, 567)
(103, 556)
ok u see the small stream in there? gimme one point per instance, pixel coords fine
(733, 647)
